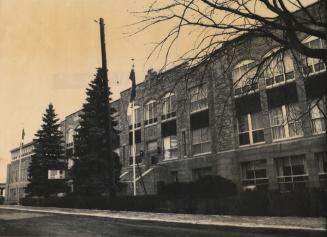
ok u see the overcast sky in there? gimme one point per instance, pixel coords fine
(49, 51)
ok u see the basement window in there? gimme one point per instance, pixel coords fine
(291, 173)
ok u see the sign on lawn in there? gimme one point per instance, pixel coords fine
(56, 174)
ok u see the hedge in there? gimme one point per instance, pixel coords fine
(305, 203)
(207, 186)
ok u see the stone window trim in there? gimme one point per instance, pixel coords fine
(138, 148)
(201, 141)
(254, 173)
(317, 115)
(199, 98)
(242, 76)
(279, 69)
(321, 158)
(71, 133)
(137, 114)
(152, 146)
(170, 147)
(251, 129)
(284, 123)
(168, 106)
(291, 171)
(150, 113)
(311, 66)
(70, 138)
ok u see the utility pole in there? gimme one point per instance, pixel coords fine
(108, 131)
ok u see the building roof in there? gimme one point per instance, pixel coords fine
(24, 146)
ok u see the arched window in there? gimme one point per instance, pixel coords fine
(150, 112)
(313, 65)
(70, 137)
(243, 77)
(278, 67)
(168, 106)
(137, 116)
(199, 98)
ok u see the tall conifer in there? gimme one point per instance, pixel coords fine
(48, 155)
(90, 172)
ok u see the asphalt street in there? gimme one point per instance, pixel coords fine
(22, 223)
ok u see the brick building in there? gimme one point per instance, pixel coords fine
(15, 179)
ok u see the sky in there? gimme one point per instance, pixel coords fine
(49, 52)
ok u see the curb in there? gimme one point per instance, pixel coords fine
(257, 228)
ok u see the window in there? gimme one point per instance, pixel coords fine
(137, 114)
(200, 132)
(201, 172)
(138, 145)
(150, 132)
(150, 113)
(201, 141)
(321, 158)
(250, 129)
(255, 173)
(199, 99)
(313, 65)
(291, 172)
(138, 157)
(70, 137)
(322, 162)
(243, 77)
(168, 106)
(152, 146)
(318, 109)
(279, 68)
(285, 122)
(170, 147)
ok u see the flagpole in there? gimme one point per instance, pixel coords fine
(134, 148)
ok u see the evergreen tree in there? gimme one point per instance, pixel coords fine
(90, 172)
(48, 155)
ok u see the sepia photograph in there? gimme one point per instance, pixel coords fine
(163, 118)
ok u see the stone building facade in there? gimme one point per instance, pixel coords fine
(250, 138)
(218, 120)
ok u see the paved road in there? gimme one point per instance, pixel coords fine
(21, 223)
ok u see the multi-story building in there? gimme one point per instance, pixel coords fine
(260, 137)
(17, 180)
(217, 120)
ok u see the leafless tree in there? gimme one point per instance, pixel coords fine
(219, 27)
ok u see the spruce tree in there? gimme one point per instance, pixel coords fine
(90, 172)
(48, 155)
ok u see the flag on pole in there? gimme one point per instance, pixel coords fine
(23, 134)
(133, 91)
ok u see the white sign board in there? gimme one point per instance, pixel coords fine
(56, 174)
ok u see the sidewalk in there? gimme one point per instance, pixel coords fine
(277, 223)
